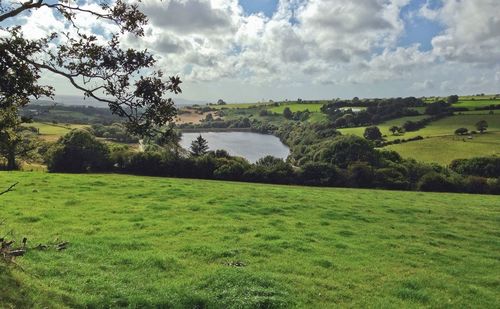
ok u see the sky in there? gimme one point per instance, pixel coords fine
(257, 50)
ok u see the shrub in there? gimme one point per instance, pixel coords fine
(461, 131)
(77, 152)
(434, 182)
(480, 166)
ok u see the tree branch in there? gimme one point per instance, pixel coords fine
(11, 188)
(25, 6)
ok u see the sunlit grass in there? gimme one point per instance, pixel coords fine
(158, 242)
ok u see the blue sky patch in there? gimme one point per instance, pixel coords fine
(268, 7)
(417, 28)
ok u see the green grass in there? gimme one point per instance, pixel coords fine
(442, 127)
(297, 107)
(471, 104)
(444, 149)
(440, 145)
(240, 105)
(153, 242)
(50, 131)
(384, 127)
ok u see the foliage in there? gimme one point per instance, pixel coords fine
(16, 141)
(116, 132)
(104, 71)
(480, 166)
(377, 111)
(452, 99)
(482, 126)
(287, 113)
(461, 131)
(199, 146)
(437, 108)
(78, 152)
(373, 134)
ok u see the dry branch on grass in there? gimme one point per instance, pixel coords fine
(11, 188)
(9, 252)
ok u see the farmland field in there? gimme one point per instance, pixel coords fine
(444, 149)
(296, 107)
(159, 242)
(384, 127)
(446, 126)
(471, 104)
(52, 132)
(440, 144)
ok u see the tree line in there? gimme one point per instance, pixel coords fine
(344, 161)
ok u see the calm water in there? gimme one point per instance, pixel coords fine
(251, 146)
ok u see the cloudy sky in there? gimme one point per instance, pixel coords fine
(249, 50)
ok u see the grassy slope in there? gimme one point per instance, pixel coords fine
(440, 145)
(471, 104)
(296, 107)
(444, 149)
(151, 241)
(51, 132)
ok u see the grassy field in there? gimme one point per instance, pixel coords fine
(471, 104)
(440, 144)
(444, 149)
(239, 105)
(52, 132)
(384, 127)
(151, 242)
(446, 126)
(296, 107)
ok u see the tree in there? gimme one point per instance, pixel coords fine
(123, 78)
(394, 129)
(340, 122)
(221, 102)
(452, 99)
(461, 131)
(437, 108)
(16, 141)
(77, 152)
(345, 150)
(199, 146)
(209, 117)
(482, 126)
(287, 113)
(372, 134)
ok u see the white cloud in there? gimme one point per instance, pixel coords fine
(472, 31)
(341, 45)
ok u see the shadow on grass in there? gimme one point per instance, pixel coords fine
(13, 294)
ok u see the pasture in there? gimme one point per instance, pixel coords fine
(445, 126)
(297, 107)
(472, 104)
(51, 132)
(159, 242)
(444, 149)
(440, 145)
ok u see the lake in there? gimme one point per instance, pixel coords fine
(251, 146)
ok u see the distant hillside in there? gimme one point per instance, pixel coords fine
(81, 101)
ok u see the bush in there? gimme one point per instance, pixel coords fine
(481, 166)
(345, 150)
(360, 174)
(78, 152)
(391, 178)
(461, 131)
(434, 182)
(320, 174)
